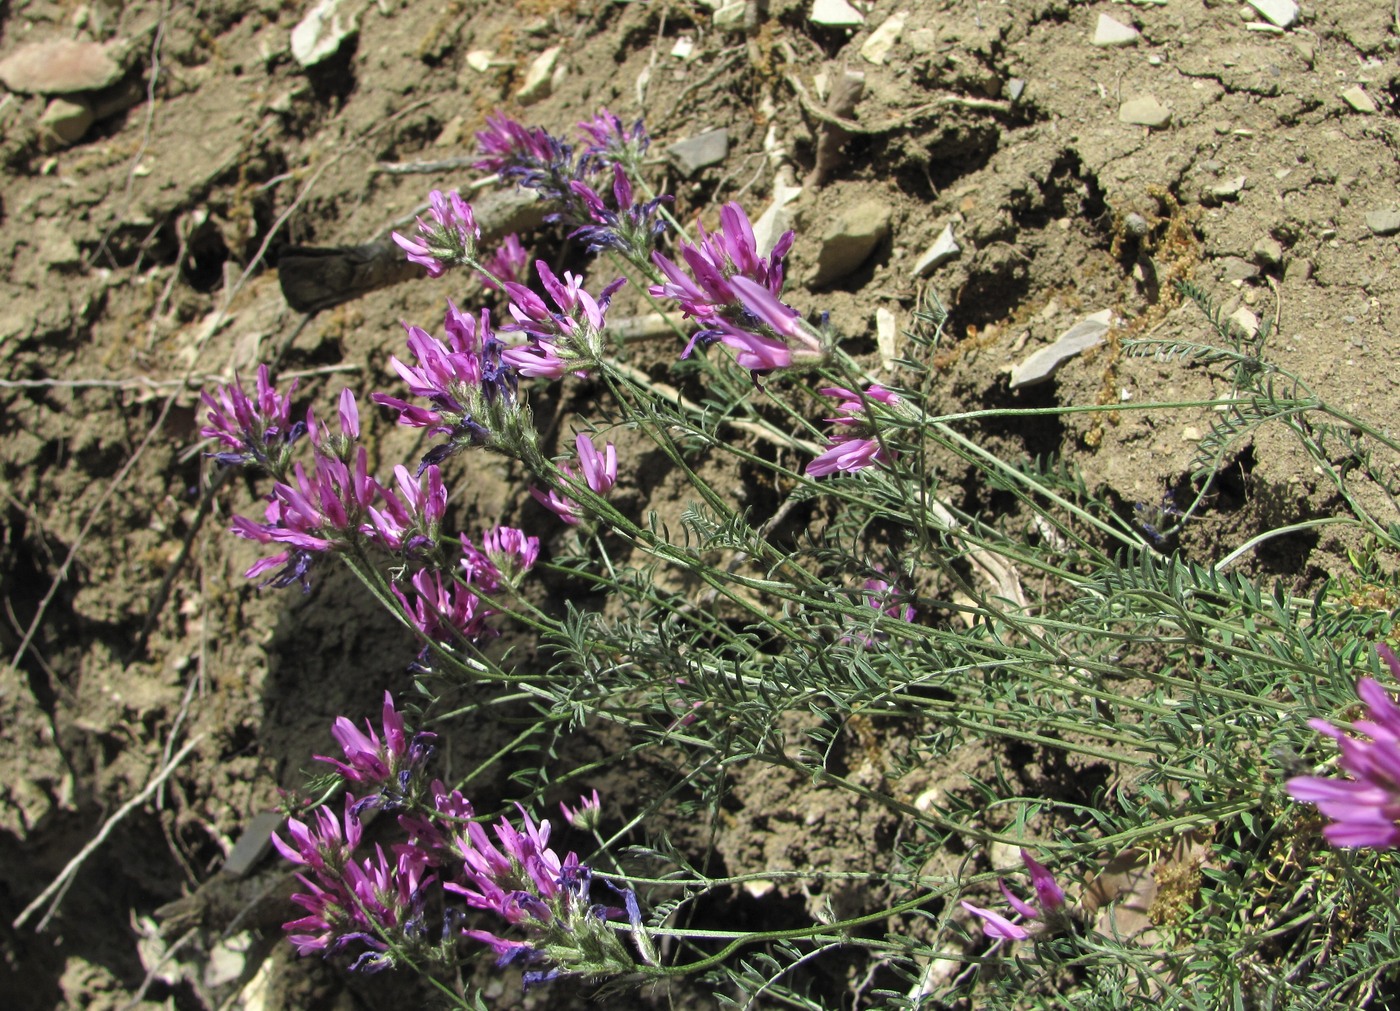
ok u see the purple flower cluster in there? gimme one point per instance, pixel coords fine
(854, 445)
(535, 159)
(507, 263)
(255, 431)
(473, 394)
(1050, 895)
(563, 341)
(449, 610)
(449, 240)
(379, 906)
(732, 292)
(1365, 808)
(599, 474)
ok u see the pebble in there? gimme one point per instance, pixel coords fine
(57, 248)
(1087, 333)
(1014, 89)
(1280, 13)
(1383, 222)
(943, 249)
(1246, 321)
(775, 219)
(849, 240)
(886, 337)
(698, 152)
(59, 67)
(1356, 97)
(539, 79)
(1234, 268)
(876, 49)
(1110, 32)
(1268, 252)
(1297, 271)
(480, 60)
(65, 121)
(1145, 111)
(835, 14)
(684, 48)
(320, 34)
(253, 844)
(731, 15)
(1230, 189)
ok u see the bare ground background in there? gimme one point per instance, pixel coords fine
(141, 261)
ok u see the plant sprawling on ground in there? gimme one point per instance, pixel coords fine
(1182, 701)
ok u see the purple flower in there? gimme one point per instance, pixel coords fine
(507, 263)
(370, 760)
(569, 340)
(629, 226)
(512, 552)
(257, 430)
(324, 845)
(524, 882)
(1364, 808)
(599, 474)
(444, 611)
(853, 445)
(1050, 896)
(410, 521)
(732, 292)
(451, 238)
(473, 395)
(610, 143)
(588, 813)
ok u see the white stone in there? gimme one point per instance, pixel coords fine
(775, 219)
(886, 337)
(876, 49)
(1356, 97)
(943, 249)
(320, 34)
(684, 48)
(1040, 366)
(1110, 32)
(59, 67)
(480, 60)
(1282, 13)
(539, 78)
(835, 14)
(731, 15)
(1144, 111)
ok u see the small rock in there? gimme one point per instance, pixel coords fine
(1356, 97)
(776, 219)
(1280, 13)
(1109, 32)
(539, 79)
(253, 844)
(1268, 252)
(65, 121)
(1015, 88)
(480, 60)
(835, 14)
(731, 15)
(1145, 111)
(876, 49)
(1191, 433)
(59, 67)
(886, 337)
(1136, 225)
(1234, 268)
(1383, 222)
(1246, 321)
(1306, 49)
(321, 33)
(943, 249)
(698, 152)
(1087, 333)
(1230, 189)
(1297, 271)
(57, 248)
(684, 48)
(849, 239)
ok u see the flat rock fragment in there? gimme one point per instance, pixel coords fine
(1144, 111)
(539, 79)
(731, 15)
(1383, 222)
(701, 151)
(1356, 97)
(886, 337)
(850, 238)
(65, 121)
(319, 35)
(59, 67)
(1109, 32)
(776, 218)
(943, 249)
(876, 49)
(1279, 13)
(1087, 333)
(835, 14)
